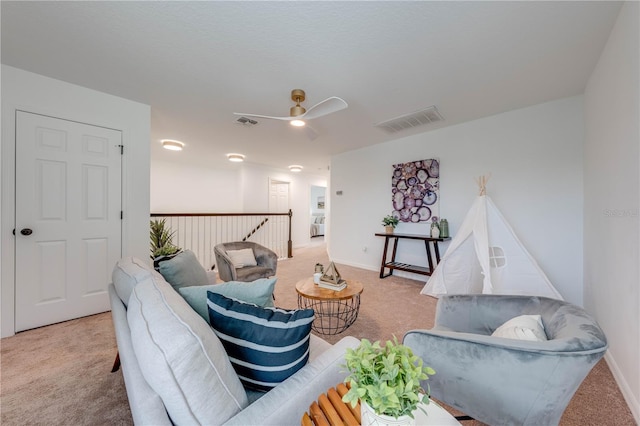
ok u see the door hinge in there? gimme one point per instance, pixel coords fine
(121, 215)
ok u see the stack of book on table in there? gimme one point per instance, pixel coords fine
(342, 284)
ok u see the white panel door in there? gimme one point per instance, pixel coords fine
(279, 203)
(68, 224)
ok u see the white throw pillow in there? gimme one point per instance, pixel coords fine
(242, 258)
(524, 327)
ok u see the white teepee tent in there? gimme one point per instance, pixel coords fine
(485, 256)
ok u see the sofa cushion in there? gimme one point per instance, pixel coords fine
(265, 345)
(252, 273)
(181, 358)
(184, 270)
(242, 258)
(258, 292)
(127, 273)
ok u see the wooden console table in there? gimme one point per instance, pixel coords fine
(392, 265)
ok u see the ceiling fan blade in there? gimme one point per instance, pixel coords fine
(264, 116)
(325, 107)
(311, 133)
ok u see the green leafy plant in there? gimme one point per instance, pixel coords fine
(161, 239)
(386, 377)
(390, 220)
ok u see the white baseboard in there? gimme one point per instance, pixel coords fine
(355, 265)
(396, 273)
(632, 402)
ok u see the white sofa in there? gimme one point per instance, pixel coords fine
(177, 372)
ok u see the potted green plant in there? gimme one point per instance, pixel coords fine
(390, 222)
(386, 380)
(162, 247)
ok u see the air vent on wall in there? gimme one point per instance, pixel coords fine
(246, 121)
(408, 121)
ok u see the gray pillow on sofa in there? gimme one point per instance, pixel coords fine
(258, 292)
(184, 270)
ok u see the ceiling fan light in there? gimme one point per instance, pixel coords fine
(172, 145)
(236, 158)
(297, 123)
(295, 168)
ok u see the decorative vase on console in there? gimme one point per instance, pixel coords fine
(435, 230)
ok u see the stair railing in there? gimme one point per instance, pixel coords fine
(200, 232)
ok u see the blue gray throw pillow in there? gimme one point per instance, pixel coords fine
(258, 292)
(184, 270)
(265, 345)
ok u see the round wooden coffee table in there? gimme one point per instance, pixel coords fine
(335, 310)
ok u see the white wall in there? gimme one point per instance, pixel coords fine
(31, 92)
(187, 188)
(183, 188)
(535, 157)
(612, 200)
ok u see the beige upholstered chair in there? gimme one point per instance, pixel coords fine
(267, 262)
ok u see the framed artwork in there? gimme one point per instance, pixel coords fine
(320, 203)
(415, 191)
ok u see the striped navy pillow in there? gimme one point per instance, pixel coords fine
(265, 345)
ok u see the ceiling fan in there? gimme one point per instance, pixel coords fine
(298, 114)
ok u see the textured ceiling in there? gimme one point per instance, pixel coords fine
(196, 63)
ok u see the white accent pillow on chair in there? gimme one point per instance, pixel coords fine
(524, 327)
(242, 258)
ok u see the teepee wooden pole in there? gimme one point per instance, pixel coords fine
(482, 183)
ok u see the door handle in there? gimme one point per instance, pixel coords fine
(26, 231)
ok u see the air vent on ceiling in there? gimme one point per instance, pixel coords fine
(246, 121)
(408, 121)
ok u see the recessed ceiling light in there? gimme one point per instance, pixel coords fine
(297, 123)
(295, 168)
(236, 158)
(172, 145)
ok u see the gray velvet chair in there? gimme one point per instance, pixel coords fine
(267, 262)
(502, 381)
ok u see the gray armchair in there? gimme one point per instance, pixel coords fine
(267, 262)
(503, 381)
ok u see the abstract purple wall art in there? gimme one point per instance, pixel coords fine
(415, 191)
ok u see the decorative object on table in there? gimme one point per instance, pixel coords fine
(444, 228)
(386, 380)
(390, 222)
(415, 190)
(331, 275)
(316, 277)
(319, 268)
(162, 247)
(486, 239)
(331, 279)
(435, 229)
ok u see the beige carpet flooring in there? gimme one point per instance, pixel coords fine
(60, 374)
